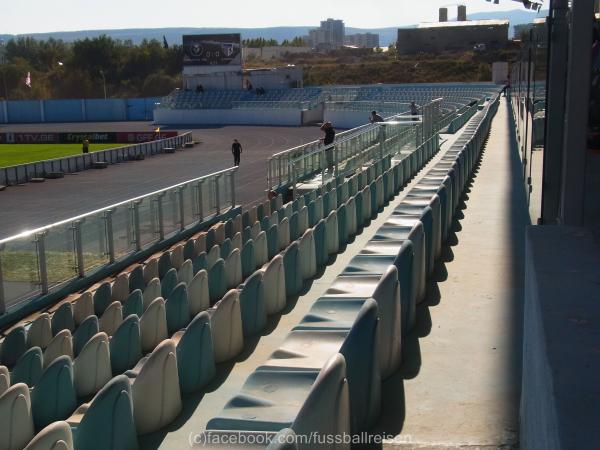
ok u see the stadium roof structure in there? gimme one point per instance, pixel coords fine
(466, 23)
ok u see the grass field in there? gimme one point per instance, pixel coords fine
(13, 154)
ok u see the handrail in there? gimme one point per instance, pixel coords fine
(40, 261)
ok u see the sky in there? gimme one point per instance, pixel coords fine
(37, 16)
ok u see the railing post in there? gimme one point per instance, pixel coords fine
(110, 236)
(200, 205)
(79, 248)
(41, 249)
(136, 225)
(293, 169)
(161, 226)
(232, 181)
(181, 209)
(217, 200)
(2, 299)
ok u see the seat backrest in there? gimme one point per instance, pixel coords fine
(112, 318)
(332, 232)
(225, 248)
(56, 436)
(294, 227)
(153, 325)
(213, 255)
(92, 368)
(177, 309)
(272, 241)
(248, 258)
(256, 229)
(53, 397)
(153, 291)
(120, 287)
(217, 281)
(198, 295)
(226, 327)
(164, 264)
(168, 283)
(15, 410)
(189, 249)
(274, 285)
(261, 250)
(13, 346)
(102, 298)
(151, 270)
(108, 422)
(283, 237)
(83, 307)
(236, 241)
(62, 319)
(40, 332)
(200, 262)
(293, 272)
(177, 257)
(4, 379)
(134, 304)
(28, 368)
(186, 272)
(308, 258)
(61, 344)
(125, 345)
(233, 269)
(84, 332)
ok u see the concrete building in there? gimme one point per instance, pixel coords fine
(362, 40)
(329, 36)
(266, 53)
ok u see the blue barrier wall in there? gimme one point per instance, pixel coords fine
(76, 110)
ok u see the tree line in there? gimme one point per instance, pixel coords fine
(82, 69)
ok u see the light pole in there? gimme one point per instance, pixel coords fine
(103, 82)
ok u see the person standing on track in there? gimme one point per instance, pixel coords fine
(236, 149)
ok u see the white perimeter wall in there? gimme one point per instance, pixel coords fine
(346, 119)
(282, 117)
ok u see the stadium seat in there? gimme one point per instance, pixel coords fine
(237, 224)
(272, 241)
(351, 217)
(177, 309)
(155, 389)
(62, 319)
(164, 264)
(168, 283)
(320, 237)
(248, 259)
(102, 298)
(252, 304)
(125, 345)
(303, 222)
(153, 325)
(332, 233)
(83, 307)
(194, 350)
(274, 285)
(225, 248)
(200, 244)
(53, 397)
(198, 294)
(120, 288)
(261, 252)
(189, 249)
(56, 436)
(292, 267)
(92, 368)
(236, 241)
(60, 345)
(4, 379)
(151, 270)
(28, 368)
(152, 292)
(246, 234)
(213, 256)
(84, 332)
(186, 272)
(177, 257)
(217, 281)
(226, 327)
(283, 234)
(111, 319)
(200, 262)
(233, 269)
(308, 257)
(134, 304)
(40, 332)
(15, 409)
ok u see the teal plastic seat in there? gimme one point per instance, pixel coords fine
(217, 281)
(195, 358)
(246, 222)
(164, 264)
(136, 279)
(252, 304)
(303, 222)
(320, 236)
(62, 319)
(416, 206)
(13, 346)
(28, 368)
(226, 248)
(102, 298)
(342, 226)
(85, 331)
(168, 283)
(189, 249)
(53, 397)
(427, 219)
(200, 263)
(312, 214)
(108, 422)
(211, 238)
(134, 304)
(332, 233)
(273, 241)
(125, 345)
(177, 308)
(326, 204)
(260, 212)
(248, 259)
(294, 227)
(246, 234)
(293, 273)
(265, 223)
(374, 202)
(229, 229)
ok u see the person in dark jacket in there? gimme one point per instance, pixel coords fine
(375, 117)
(327, 128)
(236, 149)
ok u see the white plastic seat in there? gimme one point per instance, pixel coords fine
(151, 270)
(83, 307)
(308, 256)
(200, 244)
(237, 224)
(261, 250)
(152, 292)
(186, 272)
(226, 327)
(61, 344)
(153, 325)
(40, 332)
(111, 318)
(351, 216)
(177, 258)
(274, 285)
(302, 220)
(120, 288)
(236, 241)
(17, 422)
(155, 389)
(198, 294)
(92, 368)
(212, 256)
(274, 218)
(255, 230)
(283, 233)
(56, 436)
(4, 379)
(233, 269)
(332, 233)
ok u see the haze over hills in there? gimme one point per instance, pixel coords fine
(173, 35)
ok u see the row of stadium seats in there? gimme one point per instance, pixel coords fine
(108, 296)
(326, 376)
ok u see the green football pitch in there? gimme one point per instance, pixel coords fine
(13, 154)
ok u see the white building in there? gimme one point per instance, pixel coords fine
(329, 36)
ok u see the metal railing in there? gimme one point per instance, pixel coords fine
(272, 104)
(23, 173)
(37, 262)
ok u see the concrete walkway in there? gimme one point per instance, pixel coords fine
(460, 380)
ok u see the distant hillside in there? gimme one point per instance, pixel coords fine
(173, 35)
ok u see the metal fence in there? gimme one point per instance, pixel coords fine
(302, 105)
(40, 261)
(23, 173)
